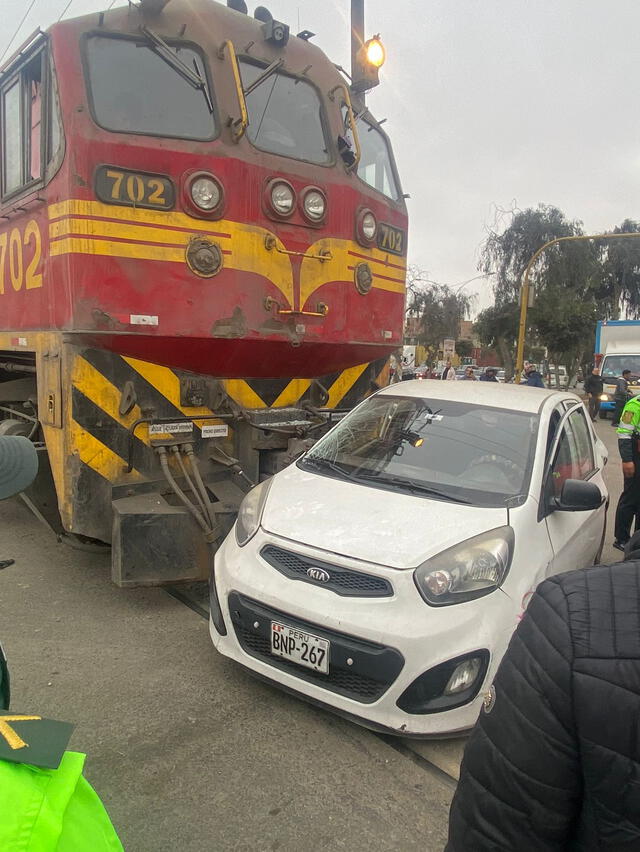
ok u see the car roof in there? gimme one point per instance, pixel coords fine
(495, 394)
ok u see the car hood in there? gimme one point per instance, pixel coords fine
(371, 524)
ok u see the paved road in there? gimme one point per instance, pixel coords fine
(187, 751)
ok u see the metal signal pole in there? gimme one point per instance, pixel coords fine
(357, 33)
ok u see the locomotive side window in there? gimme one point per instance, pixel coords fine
(375, 166)
(285, 116)
(30, 131)
(134, 90)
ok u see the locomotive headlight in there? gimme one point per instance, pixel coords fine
(282, 198)
(315, 205)
(366, 227)
(369, 225)
(206, 193)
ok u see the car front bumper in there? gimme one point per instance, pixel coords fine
(379, 645)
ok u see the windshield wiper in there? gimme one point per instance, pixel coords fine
(268, 71)
(193, 77)
(410, 485)
(327, 464)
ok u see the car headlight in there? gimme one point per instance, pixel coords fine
(468, 570)
(314, 205)
(604, 397)
(206, 193)
(282, 198)
(250, 513)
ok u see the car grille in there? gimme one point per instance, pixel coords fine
(373, 667)
(342, 581)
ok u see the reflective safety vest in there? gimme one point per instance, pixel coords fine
(52, 810)
(629, 427)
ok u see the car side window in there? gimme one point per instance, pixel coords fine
(585, 459)
(574, 454)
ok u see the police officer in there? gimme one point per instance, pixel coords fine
(629, 447)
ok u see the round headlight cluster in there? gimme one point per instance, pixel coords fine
(206, 193)
(283, 198)
(314, 205)
(366, 227)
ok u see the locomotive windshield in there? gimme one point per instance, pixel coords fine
(285, 116)
(375, 167)
(134, 90)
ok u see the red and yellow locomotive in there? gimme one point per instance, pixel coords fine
(202, 256)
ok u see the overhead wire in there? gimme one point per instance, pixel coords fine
(17, 29)
(64, 11)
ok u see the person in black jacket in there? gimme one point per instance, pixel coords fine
(594, 386)
(554, 760)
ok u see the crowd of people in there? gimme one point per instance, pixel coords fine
(531, 376)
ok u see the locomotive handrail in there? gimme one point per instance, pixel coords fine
(271, 243)
(352, 123)
(240, 125)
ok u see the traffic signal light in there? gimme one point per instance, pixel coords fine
(369, 59)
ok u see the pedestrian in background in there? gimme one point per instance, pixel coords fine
(489, 375)
(629, 449)
(593, 387)
(553, 762)
(533, 377)
(449, 374)
(469, 375)
(620, 396)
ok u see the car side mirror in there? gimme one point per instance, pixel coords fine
(578, 496)
(18, 464)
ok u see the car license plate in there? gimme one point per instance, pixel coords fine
(302, 648)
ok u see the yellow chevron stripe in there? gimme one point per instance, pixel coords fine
(343, 384)
(167, 383)
(243, 394)
(99, 457)
(99, 390)
(292, 393)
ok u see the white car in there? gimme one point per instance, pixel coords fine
(383, 573)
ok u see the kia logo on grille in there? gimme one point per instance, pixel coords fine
(319, 575)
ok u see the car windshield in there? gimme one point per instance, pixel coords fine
(449, 450)
(613, 365)
(285, 115)
(134, 90)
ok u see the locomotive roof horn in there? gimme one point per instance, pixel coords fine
(237, 6)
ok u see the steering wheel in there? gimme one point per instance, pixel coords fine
(509, 469)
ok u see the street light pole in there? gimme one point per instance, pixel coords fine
(525, 287)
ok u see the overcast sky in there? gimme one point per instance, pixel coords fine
(490, 104)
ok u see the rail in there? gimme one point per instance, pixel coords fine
(239, 126)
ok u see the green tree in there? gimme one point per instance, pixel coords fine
(620, 288)
(566, 279)
(497, 328)
(439, 308)
(464, 347)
